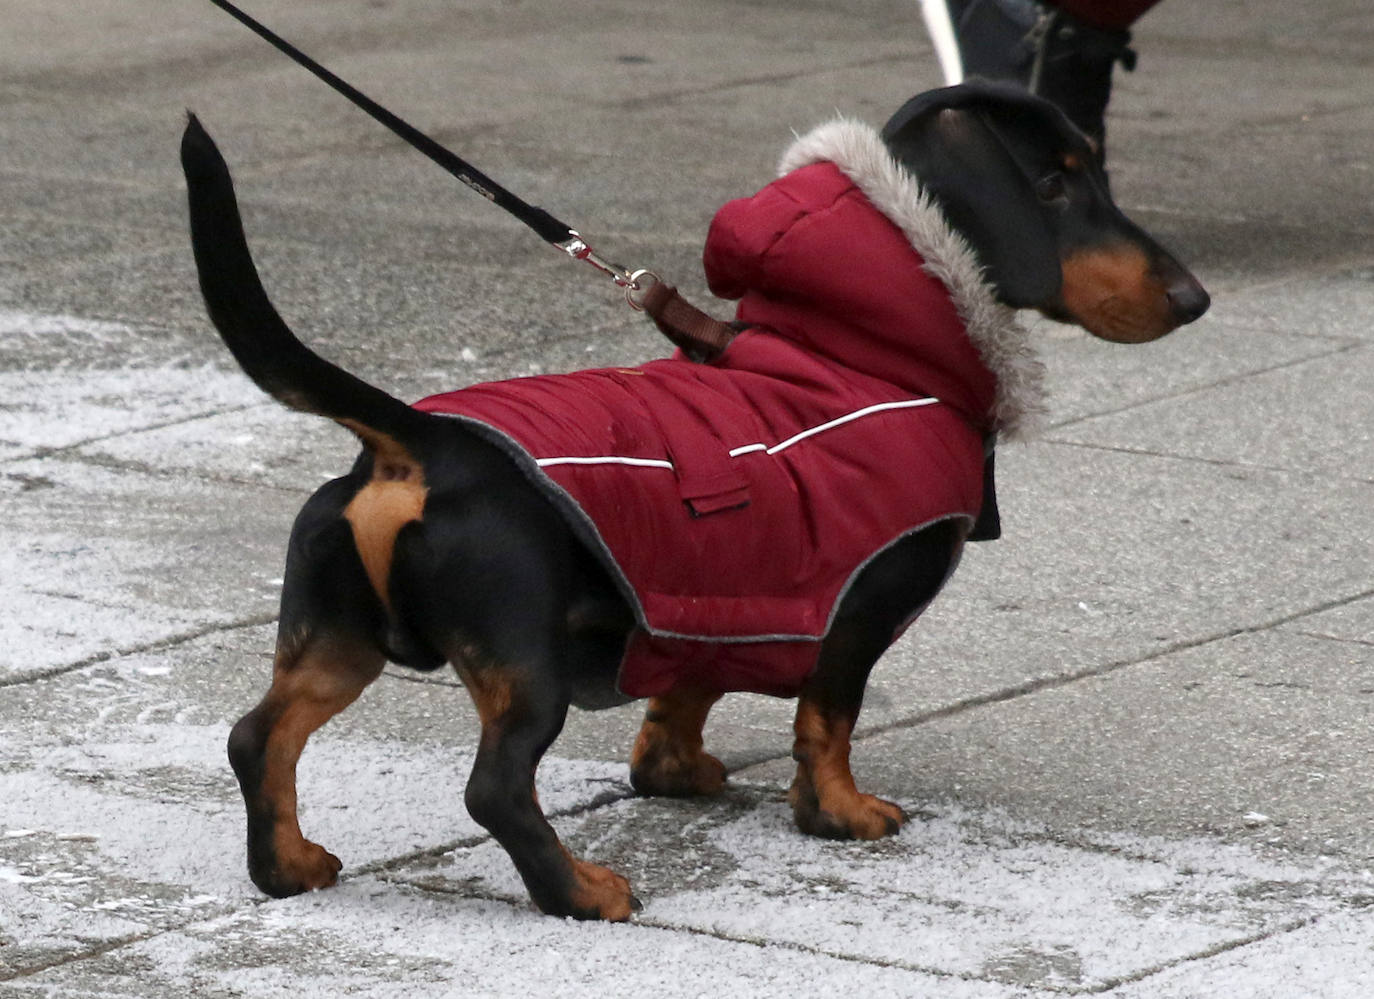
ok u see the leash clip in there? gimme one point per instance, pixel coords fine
(636, 283)
(699, 336)
(576, 247)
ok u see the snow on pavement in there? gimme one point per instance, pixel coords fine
(132, 835)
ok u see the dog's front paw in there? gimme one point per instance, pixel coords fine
(659, 772)
(293, 870)
(843, 814)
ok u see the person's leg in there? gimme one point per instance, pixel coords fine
(1064, 51)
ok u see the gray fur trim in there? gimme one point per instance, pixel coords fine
(1002, 342)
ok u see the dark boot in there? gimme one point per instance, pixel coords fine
(1047, 51)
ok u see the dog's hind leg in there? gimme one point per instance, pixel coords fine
(326, 655)
(490, 574)
(668, 758)
(522, 713)
(314, 679)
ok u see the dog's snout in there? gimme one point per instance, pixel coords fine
(1188, 300)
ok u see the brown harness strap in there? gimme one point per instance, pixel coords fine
(696, 334)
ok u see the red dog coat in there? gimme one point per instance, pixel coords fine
(734, 502)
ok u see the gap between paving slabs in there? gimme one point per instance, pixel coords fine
(743, 760)
(157, 645)
(1339, 347)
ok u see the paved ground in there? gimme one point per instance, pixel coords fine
(1135, 734)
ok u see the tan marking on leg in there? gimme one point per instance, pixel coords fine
(490, 690)
(600, 893)
(668, 757)
(503, 772)
(824, 784)
(320, 680)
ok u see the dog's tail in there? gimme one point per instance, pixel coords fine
(260, 341)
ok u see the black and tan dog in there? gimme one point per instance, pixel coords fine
(440, 547)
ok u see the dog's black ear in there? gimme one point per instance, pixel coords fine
(954, 142)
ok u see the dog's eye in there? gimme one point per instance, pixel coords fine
(1051, 188)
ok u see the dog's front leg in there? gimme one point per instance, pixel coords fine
(889, 593)
(522, 713)
(825, 801)
(668, 757)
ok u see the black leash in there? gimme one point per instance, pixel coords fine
(549, 228)
(700, 336)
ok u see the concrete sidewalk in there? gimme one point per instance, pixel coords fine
(1135, 735)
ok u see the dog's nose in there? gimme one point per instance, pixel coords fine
(1188, 300)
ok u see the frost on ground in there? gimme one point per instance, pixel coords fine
(102, 840)
(145, 498)
(139, 840)
(99, 561)
(956, 894)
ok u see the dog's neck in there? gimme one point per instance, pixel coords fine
(1002, 341)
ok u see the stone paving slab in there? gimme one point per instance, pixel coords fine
(105, 560)
(149, 835)
(122, 819)
(1003, 621)
(968, 894)
(942, 897)
(1351, 622)
(1310, 417)
(1330, 303)
(940, 904)
(1017, 612)
(1109, 557)
(1327, 958)
(1259, 739)
(56, 411)
(1090, 379)
(37, 349)
(386, 317)
(243, 445)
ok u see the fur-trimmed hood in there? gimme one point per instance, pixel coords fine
(824, 256)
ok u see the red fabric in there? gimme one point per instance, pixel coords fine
(737, 561)
(811, 258)
(1110, 15)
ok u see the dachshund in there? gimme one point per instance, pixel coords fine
(449, 542)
